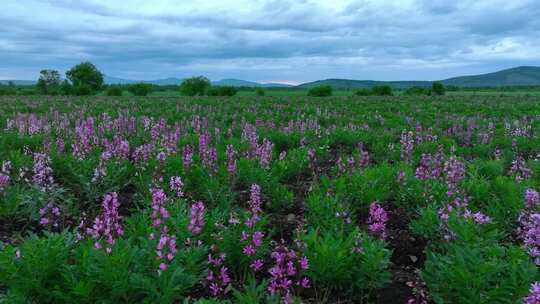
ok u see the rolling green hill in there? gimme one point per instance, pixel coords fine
(519, 76)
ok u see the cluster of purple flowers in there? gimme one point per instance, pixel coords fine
(5, 175)
(50, 215)
(454, 170)
(534, 294)
(460, 207)
(166, 247)
(142, 153)
(253, 239)
(287, 272)
(231, 160)
(42, 172)
(531, 198)
(176, 185)
(84, 137)
(254, 205)
(218, 278)
(196, 221)
(407, 145)
(520, 169)
(377, 220)
(430, 167)
(529, 225)
(264, 153)
(100, 171)
(159, 212)
(207, 154)
(187, 157)
(363, 161)
(529, 232)
(107, 226)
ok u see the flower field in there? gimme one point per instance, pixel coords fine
(270, 200)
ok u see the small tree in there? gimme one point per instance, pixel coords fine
(259, 92)
(140, 89)
(85, 78)
(320, 91)
(438, 88)
(382, 90)
(195, 86)
(48, 82)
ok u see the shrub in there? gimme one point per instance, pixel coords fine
(222, 91)
(320, 91)
(352, 262)
(259, 92)
(114, 91)
(382, 90)
(414, 91)
(472, 273)
(195, 86)
(140, 89)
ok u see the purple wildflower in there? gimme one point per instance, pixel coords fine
(196, 218)
(377, 220)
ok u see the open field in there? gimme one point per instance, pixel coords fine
(269, 199)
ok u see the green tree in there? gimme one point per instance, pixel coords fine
(140, 89)
(259, 92)
(382, 90)
(438, 88)
(114, 91)
(85, 78)
(48, 82)
(320, 91)
(195, 86)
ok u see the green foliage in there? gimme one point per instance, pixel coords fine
(140, 89)
(476, 273)
(382, 90)
(320, 91)
(48, 82)
(415, 91)
(195, 86)
(85, 78)
(37, 274)
(114, 91)
(222, 91)
(347, 262)
(259, 92)
(378, 90)
(438, 88)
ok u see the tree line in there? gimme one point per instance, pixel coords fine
(86, 79)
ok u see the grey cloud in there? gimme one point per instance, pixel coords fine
(294, 40)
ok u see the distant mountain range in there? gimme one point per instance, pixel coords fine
(519, 76)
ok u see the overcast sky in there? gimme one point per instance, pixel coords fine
(274, 40)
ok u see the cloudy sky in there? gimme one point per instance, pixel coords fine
(270, 40)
